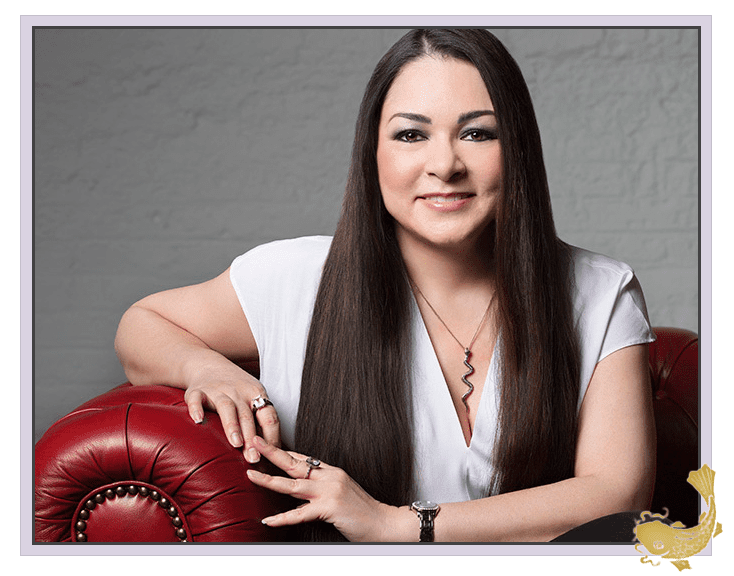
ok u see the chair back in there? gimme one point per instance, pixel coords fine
(675, 388)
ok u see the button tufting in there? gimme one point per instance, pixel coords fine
(121, 491)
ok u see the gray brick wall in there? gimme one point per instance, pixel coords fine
(160, 155)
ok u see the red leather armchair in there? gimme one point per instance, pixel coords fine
(131, 466)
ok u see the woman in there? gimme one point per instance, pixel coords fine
(445, 345)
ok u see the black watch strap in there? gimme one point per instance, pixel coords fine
(427, 533)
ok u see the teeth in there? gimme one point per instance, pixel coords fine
(442, 199)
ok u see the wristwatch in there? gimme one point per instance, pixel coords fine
(426, 512)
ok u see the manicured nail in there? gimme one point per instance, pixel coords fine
(198, 417)
(236, 439)
(252, 456)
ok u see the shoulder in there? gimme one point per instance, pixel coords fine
(600, 280)
(293, 258)
(280, 269)
(606, 292)
(295, 251)
(609, 306)
(598, 269)
(276, 283)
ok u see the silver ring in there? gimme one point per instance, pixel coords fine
(312, 463)
(260, 402)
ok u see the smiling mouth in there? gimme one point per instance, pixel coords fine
(445, 198)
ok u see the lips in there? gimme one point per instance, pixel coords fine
(448, 202)
(445, 198)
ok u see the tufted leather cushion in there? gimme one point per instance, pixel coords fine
(674, 377)
(143, 437)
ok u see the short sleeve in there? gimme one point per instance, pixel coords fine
(628, 323)
(609, 308)
(276, 284)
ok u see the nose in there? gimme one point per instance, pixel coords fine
(444, 161)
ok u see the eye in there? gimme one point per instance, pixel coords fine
(479, 135)
(409, 136)
(658, 544)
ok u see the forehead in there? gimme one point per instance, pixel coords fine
(436, 83)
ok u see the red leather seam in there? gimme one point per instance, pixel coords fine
(76, 413)
(190, 474)
(127, 441)
(213, 495)
(229, 525)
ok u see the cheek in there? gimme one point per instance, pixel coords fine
(489, 170)
(396, 171)
(487, 164)
(494, 178)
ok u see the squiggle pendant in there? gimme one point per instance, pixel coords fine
(467, 353)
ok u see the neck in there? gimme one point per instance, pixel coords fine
(448, 271)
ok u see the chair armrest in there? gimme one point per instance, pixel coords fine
(131, 466)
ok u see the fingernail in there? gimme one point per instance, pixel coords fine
(252, 456)
(198, 417)
(236, 439)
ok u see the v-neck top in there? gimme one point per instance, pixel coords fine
(276, 284)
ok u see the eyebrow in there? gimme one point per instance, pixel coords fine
(426, 120)
(411, 116)
(476, 114)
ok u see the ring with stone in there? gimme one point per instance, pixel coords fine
(260, 402)
(312, 463)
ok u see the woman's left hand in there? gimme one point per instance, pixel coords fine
(331, 495)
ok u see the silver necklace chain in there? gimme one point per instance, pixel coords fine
(467, 349)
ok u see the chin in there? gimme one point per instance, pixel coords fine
(457, 235)
(453, 241)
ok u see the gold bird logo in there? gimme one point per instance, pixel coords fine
(676, 542)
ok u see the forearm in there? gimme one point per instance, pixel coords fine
(533, 515)
(153, 350)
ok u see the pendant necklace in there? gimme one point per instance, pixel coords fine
(467, 349)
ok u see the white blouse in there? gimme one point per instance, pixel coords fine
(276, 284)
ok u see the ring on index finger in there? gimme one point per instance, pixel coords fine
(260, 402)
(312, 463)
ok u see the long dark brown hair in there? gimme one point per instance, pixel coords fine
(355, 409)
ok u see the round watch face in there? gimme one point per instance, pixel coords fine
(425, 505)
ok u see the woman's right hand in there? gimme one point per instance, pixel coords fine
(229, 391)
(190, 338)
